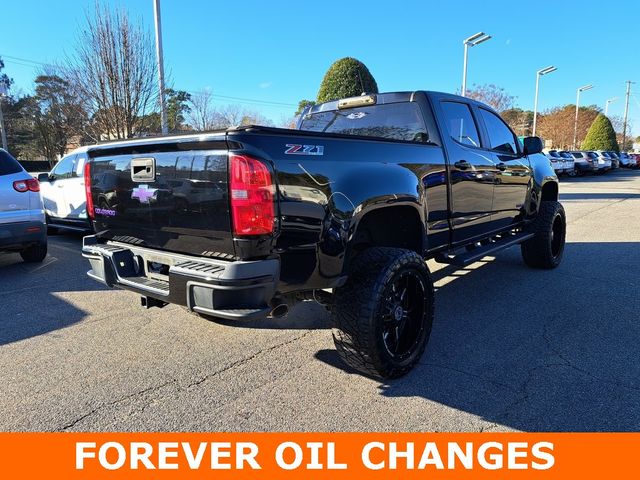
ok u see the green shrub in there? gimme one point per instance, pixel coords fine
(601, 135)
(347, 77)
(302, 104)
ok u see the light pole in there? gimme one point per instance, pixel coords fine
(606, 105)
(163, 109)
(472, 41)
(3, 134)
(626, 113)
(575, 124)
(539, 73)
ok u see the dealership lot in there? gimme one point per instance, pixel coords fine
(511, 349)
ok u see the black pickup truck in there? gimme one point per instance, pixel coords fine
(243, 223)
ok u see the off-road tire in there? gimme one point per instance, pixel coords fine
(358, 312)
(546, 248)
(35, 253)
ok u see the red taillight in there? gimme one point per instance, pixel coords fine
(87, 190)
(252, 209)
(31, 185)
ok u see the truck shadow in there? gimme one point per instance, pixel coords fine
(612, 176)
(535, 350)
(303, 316)
(597, 196)
(32, 295)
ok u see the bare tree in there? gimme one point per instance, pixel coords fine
(113, 70)
(230, 116)
(202, 114)
(492, 95)
(205, 116)
(288, 121)
(256, 118)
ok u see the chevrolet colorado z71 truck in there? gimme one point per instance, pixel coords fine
(243, 223)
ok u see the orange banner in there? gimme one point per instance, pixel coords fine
(318, 455)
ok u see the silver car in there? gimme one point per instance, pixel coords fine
(584, 163)
(625, 160)
(22, 223)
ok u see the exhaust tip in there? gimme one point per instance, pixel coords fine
(280, 311)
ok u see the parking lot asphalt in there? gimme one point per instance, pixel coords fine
(511, 349)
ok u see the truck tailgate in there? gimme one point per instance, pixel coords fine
(168, 195)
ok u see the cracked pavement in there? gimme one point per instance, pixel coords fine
(511, 349)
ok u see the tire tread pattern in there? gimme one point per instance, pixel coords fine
(356, 303)
(536, 252)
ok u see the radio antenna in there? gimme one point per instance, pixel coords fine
(360, 80)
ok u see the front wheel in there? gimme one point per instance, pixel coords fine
(546, 248)
(383, 314)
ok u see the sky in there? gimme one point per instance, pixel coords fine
(271, 54)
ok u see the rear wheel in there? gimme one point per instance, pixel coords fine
(546, 248)
(384, 313)
(35, 253)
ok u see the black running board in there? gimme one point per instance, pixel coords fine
(467, 258)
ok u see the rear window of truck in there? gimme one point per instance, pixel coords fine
(395, 121)
(8, 164)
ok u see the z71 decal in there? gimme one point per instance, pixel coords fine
(293, 149)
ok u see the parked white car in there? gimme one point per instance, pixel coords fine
(562, 162)
(604, 160)
(557, 162)
(64, 194)
(615, 163)
(603, 164)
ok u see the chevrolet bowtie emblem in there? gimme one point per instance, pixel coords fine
(143, 193)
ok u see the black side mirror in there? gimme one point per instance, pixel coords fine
(532, 145)
(43, 177)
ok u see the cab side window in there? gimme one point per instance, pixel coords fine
(460, 124)
(80, 162)
(501, 138)
(65, 168)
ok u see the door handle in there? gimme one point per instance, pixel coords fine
(462, 164)
(501, 166)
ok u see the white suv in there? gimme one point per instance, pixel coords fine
(22, 224)
(64, 194)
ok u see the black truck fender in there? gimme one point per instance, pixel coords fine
(385, 211)
(545, 183)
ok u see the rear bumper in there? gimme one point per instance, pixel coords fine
(20, 235)
(585, 167)
(228, 290)
(79, 225)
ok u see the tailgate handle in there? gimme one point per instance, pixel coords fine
(143, 169)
